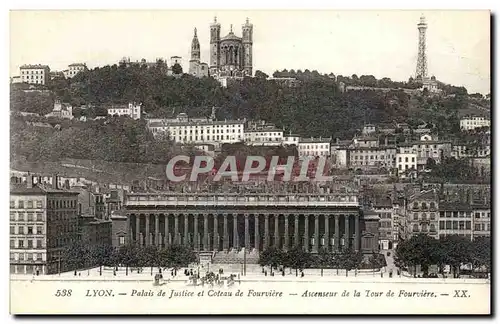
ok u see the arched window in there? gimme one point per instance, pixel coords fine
(433, 228)
(424, 205)
(424, 216)
(433, 205)
(415, 227)
(415, 205)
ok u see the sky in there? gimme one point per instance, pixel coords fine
(380, 43)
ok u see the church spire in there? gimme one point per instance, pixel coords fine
(195, 47)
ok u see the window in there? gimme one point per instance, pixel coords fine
(12, 204)
(12, 256)
(21, 204)
(30, 244)
(39, 230)
(441, 225)
(415, 216)
(433, 216)
(30, 229)
(12, 216)
(38, 204)
(12, 230)
(39, 244)
(39, 217)
(30, 217)
(12, 244)
(20, 244)
(433, 205)
(39, 256)
(121, 240)
(415, 227)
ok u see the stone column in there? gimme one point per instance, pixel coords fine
(356, 232)
(276, 231)
(176, 229)
(256, 232)
(186, 229)
(226, 234)
(147, 230)
(316, 233)
(346, 240)
(296, 230)
(327, 232)
(247, 233)
(137, 228)
(306, 233)
(266, 231)
(236, 239)
(205, 232)
(337, 233)
(157, 230)
(129, 229)
(166, 231)
(196, 239)
(216, 233)
(287, 238)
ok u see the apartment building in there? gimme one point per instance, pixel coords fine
(314, 147)
(199, 130)
(35, 74)
(131, 110)
(472, 122)
(43, 221)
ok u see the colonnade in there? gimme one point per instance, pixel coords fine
(216, 231)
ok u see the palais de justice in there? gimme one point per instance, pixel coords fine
(226, 221)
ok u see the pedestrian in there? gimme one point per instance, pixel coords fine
(265, 273)
(302, 274)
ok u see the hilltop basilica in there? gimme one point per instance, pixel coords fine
(230, 56)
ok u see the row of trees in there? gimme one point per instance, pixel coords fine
(298, 259)
(80, 256)
(452, 250)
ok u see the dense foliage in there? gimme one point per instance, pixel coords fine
(314, 107)
(453, 250)
(78, 256)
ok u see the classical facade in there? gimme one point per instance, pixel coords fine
(197, 68)
(231, 56)
(223, 222)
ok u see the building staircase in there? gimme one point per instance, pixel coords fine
(235, 256)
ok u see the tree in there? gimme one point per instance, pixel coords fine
(128, 256)
(177, 68)
(324, 259)
(458, 250)
(150, 257)
(179, 256)
(101, 255)
(297, 259)
(481, 252)
(418, 250)
(74, 256)
(272, 257)
(260, 74)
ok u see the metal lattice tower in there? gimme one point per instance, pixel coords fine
(422, 56)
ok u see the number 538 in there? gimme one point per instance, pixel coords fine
(63, 293)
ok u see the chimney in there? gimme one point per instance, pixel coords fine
(29, 181)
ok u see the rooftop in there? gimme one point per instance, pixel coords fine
(37, 189)
(315, 140)
(34, 66)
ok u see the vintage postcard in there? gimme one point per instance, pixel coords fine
(250, 162)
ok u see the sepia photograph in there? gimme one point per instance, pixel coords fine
(250, 162)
